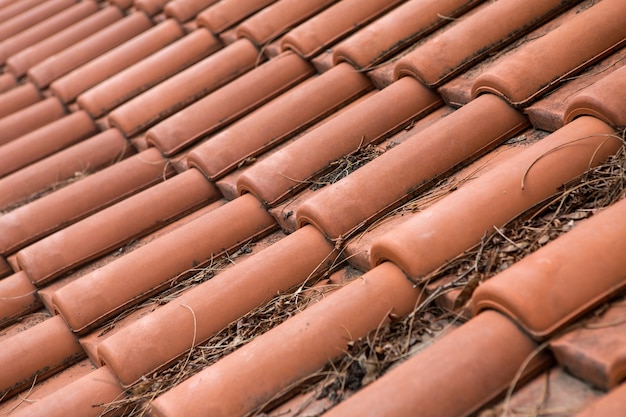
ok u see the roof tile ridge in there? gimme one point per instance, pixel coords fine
(604, 99)
(45, 141)
(333, 24)
(275, 19)
(18, 7)
(88, 395)
(48, 27)
(394, 177)
(43, 73)
(18, 296)
(80, 199)
(205, 300)
(425, 381)
(32, 16)
(521, 76)
(398, 29)
(507, 190)
(20, 62)
(591, 268)
(187, 86)
(28, 119)
(316, 335)
(155, 265)
(185, 10)
(23, 360)
(308, 102)
(150, 71)
(86, 157)
(386, 111)
(134, 217)
(441, 57)
(71, 85)
(228, 13)
(229, 103)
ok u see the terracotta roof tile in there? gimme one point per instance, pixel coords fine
(82, 52)
(441, 57)
(32, 16)
(30, 118)
(228, 103)
(318, 333)
(18, 298)
(455, 364)
(18, 98)
(45, 141)
(131, 363)
(566, 260)
(191, 84)
(9, 11)
(85, 397)
(288, 169)
(395, 178)
(294, 208)
(601, 99)
(227, 13)
(135, 216)
(275, 19)
(333, 24)
(46, 28)
(397, 30)
(549, 112)
(184, 10)
(267, 126)
(151, 7)
(594, 351)
(22, 61)
(23, 359)
(148, 72)
(520, 77)
(87, 156)
(69, 204)
(523, 181)
(68, 87)
(230, 226)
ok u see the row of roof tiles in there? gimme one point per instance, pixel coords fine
(146, 142)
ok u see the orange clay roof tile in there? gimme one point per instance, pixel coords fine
(68, 87)
(45, 141)
(87, 156)
(228, 103)
(147, 73)
(82, 52)
(48, 27)
(267, 126)
(185, 10)
(189, 85)
(227, 13)
(20, 62)
(161, 192)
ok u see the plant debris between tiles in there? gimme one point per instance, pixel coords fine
(368, 358)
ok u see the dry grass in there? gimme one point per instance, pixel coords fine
(342, 167)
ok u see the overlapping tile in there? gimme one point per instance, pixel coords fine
(70, 214)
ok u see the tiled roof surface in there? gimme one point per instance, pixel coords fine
(304, 208)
